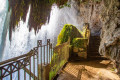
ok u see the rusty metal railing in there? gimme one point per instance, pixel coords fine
(28, 66)
(31, 66)
(8, 67)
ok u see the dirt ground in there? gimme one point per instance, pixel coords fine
(89, 70)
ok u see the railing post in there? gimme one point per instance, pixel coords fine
(48, 43)
(39, 44)
(0, 73)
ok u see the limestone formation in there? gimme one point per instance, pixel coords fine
(110, 34)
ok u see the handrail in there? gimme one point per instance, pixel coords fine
(31, 63)
(12, 65)
(15, 58)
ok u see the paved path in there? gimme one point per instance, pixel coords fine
(90, 70)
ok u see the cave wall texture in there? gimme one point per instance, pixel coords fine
(89, 12)
(110, 33)
(104, 19)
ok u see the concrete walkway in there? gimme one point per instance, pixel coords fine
(89, 70)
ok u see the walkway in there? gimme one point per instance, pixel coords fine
(90, 70)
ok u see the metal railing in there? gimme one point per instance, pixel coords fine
(30, 66)
(27, 66)
(8, 67)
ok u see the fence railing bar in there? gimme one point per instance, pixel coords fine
(44, 54)
(11, 72)
(41, 63)
(6, 62)
(34, 66)
(37, 67)
(18, 71)
(1, 74)
(25, 72)
(32, 74)
(49, 53)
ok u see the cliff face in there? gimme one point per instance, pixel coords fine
(104, 19)
(89, 12)
(110, 33)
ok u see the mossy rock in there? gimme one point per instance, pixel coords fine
(79, 42)
(68, 31)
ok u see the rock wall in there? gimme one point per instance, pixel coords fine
(89, 12)
(110, 33)
(104, 19)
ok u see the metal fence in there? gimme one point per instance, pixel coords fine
(31, 66)
(27, 66)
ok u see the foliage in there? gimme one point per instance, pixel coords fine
(68, 31)
(79, 42)
(55, 69)
(65, 5)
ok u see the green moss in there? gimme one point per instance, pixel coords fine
(79, 42)
(56, 65)
(68, 31)
(55, 70)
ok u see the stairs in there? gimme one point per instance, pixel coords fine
(93, 49)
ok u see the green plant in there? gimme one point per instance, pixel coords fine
(79, 42)
(68, 31)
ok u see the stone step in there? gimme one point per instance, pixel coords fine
(94, 37)
(95, 40)
(93, 47)
(93, 54)
(97, 58)
(94, 43)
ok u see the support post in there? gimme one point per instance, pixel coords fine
(45, 73)
(0, 74)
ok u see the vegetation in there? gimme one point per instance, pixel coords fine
(79, 42)
(68, 31)
(55, 69)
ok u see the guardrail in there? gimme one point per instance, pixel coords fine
(28, 66)
(36, 64)
(41, 63)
